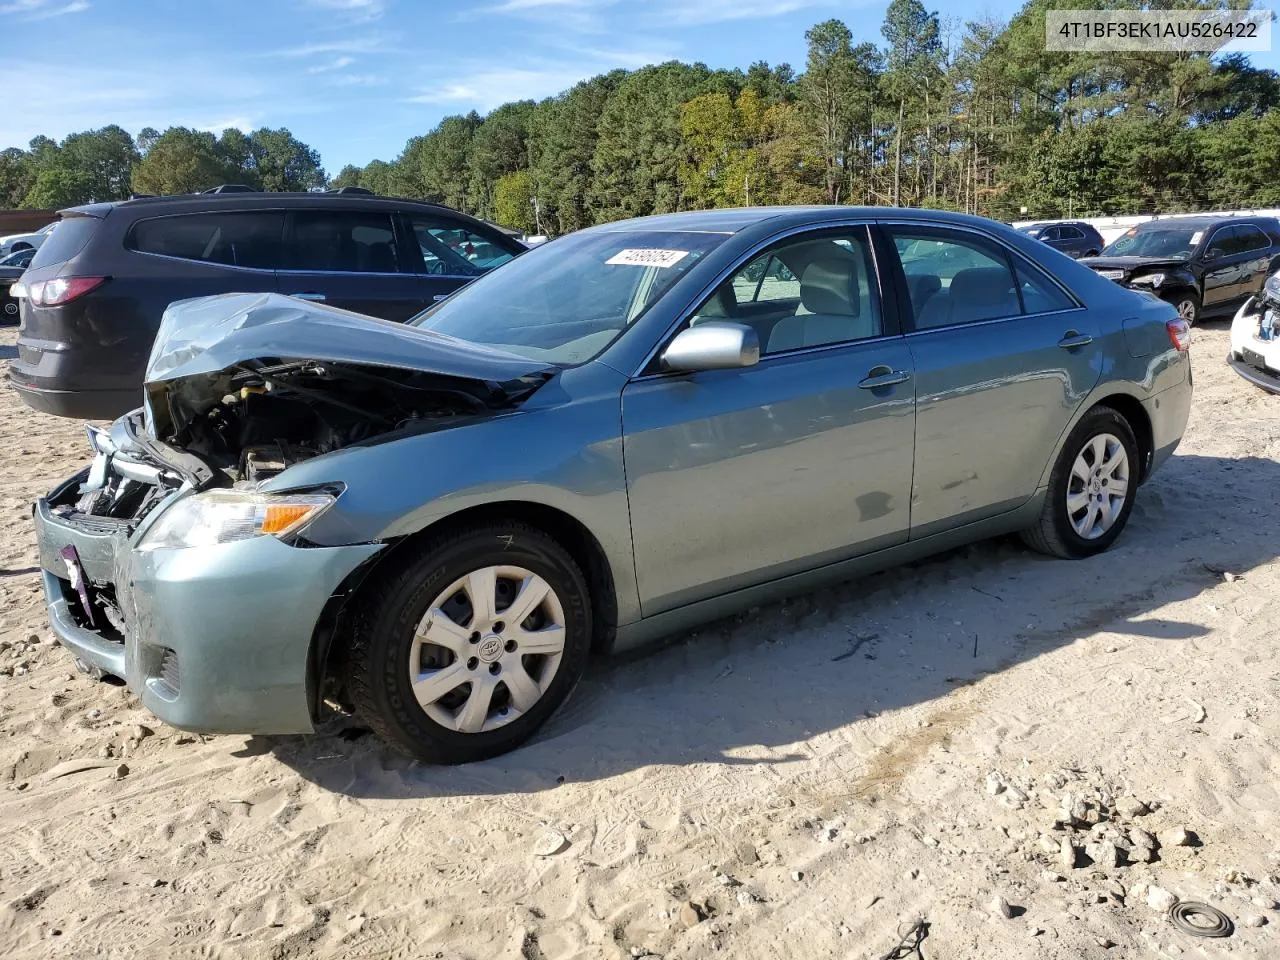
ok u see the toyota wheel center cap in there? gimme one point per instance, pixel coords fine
(490, 649)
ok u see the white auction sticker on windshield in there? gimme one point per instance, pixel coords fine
(1195, 237)
(648, 257)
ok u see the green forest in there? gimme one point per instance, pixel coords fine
(973, 116)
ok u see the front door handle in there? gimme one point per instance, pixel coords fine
(317, 297)
(1071, 339)
(883, 376)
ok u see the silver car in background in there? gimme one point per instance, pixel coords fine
(617, 435)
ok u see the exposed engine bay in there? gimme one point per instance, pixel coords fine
(272, 414)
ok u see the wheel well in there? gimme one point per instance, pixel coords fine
(1133, 411)
(327, 644)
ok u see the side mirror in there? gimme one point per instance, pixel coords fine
(1214, 253)
(712, 346)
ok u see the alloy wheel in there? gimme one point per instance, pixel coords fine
(1187, 310)
(1098, 486)
(487, 648)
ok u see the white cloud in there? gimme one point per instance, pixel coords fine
(360, 10)
(514, 6)
(489, 88)
(43, 9)
(243, 123)
(357, 80)
(720, 11)
(338, 63)
(480, 85)
(370, 44)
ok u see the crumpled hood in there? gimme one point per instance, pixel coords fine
(211, 334)
(1130, 264)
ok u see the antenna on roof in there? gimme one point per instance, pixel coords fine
(363, 191)
(232, 188)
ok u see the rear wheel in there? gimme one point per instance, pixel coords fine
(1091, 488)
(467, 649)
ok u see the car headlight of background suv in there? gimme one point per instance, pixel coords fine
(1272, 286)
(225, 516)
(1149, 279)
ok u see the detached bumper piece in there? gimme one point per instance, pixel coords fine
(1259, 376)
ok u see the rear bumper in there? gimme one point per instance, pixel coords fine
(1169, 410)
(78, 404)
(213, 639)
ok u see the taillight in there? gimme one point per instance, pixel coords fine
(56, 292)
(1179, 333)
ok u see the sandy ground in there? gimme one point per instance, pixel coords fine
(805, 781)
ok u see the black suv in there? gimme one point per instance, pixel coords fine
(1204, 266)
(94, 293)
(1076, 239)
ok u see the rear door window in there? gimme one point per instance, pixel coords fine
(955, 277)
(342, 241)
(69, 236)
(1251, 238)
(234, 239)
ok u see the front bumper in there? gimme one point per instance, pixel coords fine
(1255, 348)
(213, 639)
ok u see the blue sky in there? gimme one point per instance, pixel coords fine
(356, 78)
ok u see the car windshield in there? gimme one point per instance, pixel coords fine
(566, 301)
(1170, 241)
(19, 259)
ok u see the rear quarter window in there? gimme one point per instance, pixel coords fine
(233, 239)
(69, 236)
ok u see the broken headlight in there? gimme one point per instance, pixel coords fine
(225, 516)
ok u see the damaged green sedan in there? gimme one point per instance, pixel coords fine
(618, 435)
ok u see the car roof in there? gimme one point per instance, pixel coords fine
(737, 219)
(1202, 221)
(248, 200)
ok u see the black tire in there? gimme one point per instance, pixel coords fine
(1053, 533)
(1092, 253)
(1187, 304)
(388, 614)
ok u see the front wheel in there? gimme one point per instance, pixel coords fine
(1091, 488)
(1188, 307)
(468, 648)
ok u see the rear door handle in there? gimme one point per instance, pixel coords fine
(883, 376)
(1071, 340)
(317, 297)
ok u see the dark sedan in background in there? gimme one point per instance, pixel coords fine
(1076, 239)
(1205, 266)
